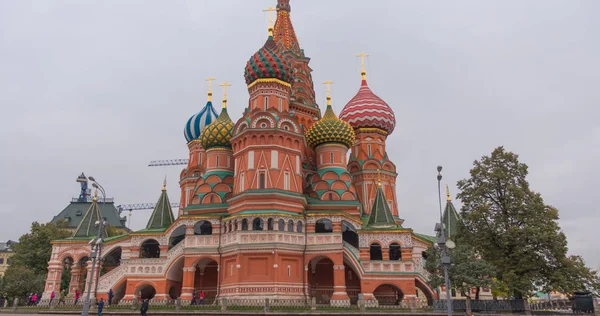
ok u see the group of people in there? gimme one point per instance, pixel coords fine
(198, 299)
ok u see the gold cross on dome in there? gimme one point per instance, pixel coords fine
(270, 10)
(225, 85)
(210, 83)
(328, 84)
(363, 70)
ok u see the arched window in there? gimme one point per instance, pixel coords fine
(229, 227)
(375, 252)
(349, 234)
(395, 252)
(323, 226)
(369, 150)
(217, 164)
(281, 225)
(203, 228)
(299, 227)
(150, 249)
(177, 236)
(257, 224)
(270, 224)
(244, 224)
(235, 225)
(266, 103)
(261, 180)
(290, 226)
(330, 197)
(331, 160)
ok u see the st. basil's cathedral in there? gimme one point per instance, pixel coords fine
(282, 204)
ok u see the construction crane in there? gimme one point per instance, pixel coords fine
(170, 162)
(139, 206)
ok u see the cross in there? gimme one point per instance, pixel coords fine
(270, 10)
(210, 83)
(328, 84)
(363, 71)
(225, 85)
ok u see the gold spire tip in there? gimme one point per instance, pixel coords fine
(164, 187)
(225, 85)
(448, 193)
(363, 69)
(95, 195)
(328, 84)
(378, 177)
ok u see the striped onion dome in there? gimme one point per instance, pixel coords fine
(268, 63)
(196, 123)
(367, 110)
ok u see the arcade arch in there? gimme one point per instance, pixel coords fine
(388, 294)
(150, 249)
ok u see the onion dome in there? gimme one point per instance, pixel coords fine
(268, 64)
(367, 110)
(330, 129)
(196, 123)
(219, 132)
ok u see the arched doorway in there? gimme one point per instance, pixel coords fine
(204, 228)
(150, 249)
(426, 290)
(119, 292)
(387, 294)
(206, 279)
(65, 279)
(320, 279)
(146, 291)
(111, 260)
(177, 236)
(175, 278)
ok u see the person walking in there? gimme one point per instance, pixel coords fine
(110, 296)
(77, 296)
(145, 306)
(34, 298)
(100, 306)
(193, 298)
(61, 298)
(51, 298)
(201, 297)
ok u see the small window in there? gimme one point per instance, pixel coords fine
(286, 181)
(257, 224)
(217, 163)
(281, 225)
(395, 252)
(299, 227)
(369, 149)
(289, 271)
(375, 252)
(270, 224)
(266, 103)
(280, 104)
(453, 292)
(244, 224)
(1, 260)
(261, 180)
(331, 160)
(290, 226)
(323, 226)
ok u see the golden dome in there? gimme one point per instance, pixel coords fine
(219, 132)
(330, 129)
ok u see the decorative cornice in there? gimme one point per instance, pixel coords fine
(371, 130)
(269, 80)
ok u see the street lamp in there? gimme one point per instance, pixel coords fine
(443, 244)
(96, 244)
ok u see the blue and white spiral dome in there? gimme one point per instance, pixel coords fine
(197, 122)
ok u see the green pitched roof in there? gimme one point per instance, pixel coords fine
(162, 216)
(87, 226)
(381, 216)
(74, 212)
(450, 219)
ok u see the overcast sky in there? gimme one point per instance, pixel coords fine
(104, 87)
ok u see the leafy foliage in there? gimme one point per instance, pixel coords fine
(515, 231)
(29, 266)
(467, 271)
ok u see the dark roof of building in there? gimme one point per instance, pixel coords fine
(162, 216)
(75, 211)
(87, 226)
(6, 246)
(381, 216)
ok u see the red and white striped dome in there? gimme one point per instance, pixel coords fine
(367, 110)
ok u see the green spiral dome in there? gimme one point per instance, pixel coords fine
(219, 132)
(330, 129)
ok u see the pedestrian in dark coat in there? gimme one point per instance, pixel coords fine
(145, 306)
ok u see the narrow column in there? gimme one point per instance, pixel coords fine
(339, 297)
(75, 276)
(53, 280)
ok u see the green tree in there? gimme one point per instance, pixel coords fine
(514, 230)
(467, 271)
(34, 249)
(19, 281)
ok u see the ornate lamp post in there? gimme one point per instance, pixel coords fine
(442, 243)
(96, 244)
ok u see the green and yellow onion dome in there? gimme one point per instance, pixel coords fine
(219, 132)
(330, 129)
(268, 63)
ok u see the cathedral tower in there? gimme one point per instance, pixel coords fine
(197, 158)
(373, 120)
